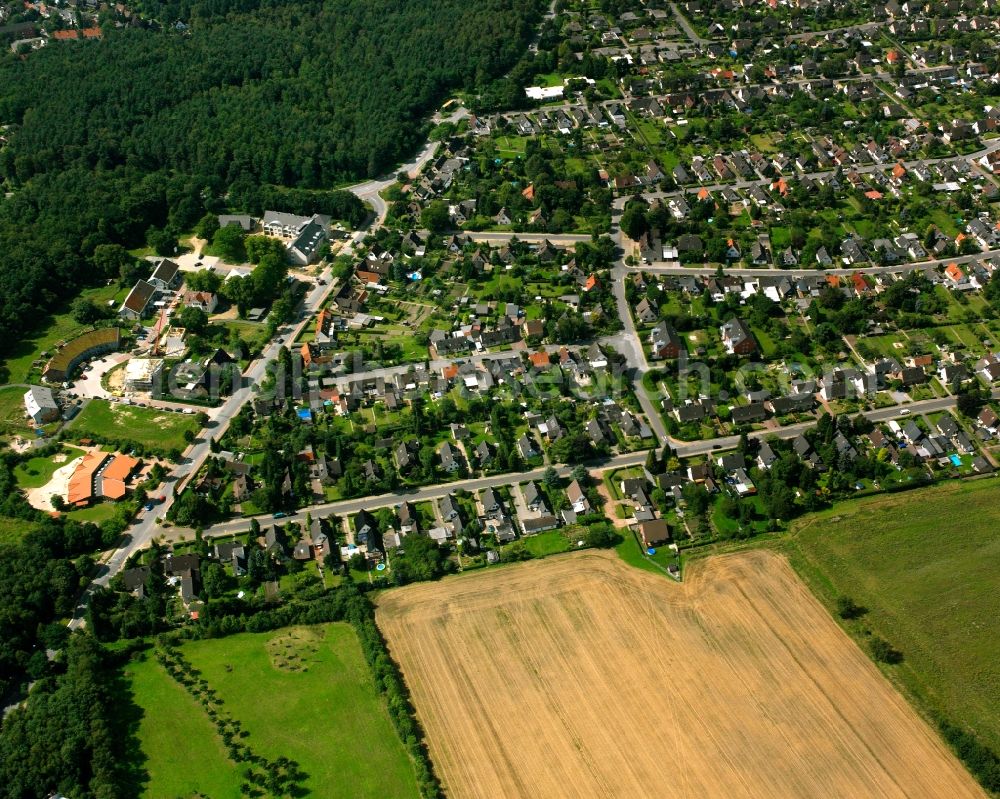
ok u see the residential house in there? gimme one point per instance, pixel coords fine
(41, 405)
(645, 311)
(448, 509)
(654, 533)
(407, 519)
(448, 460)
(666, 344)
(534, 500)
(737, 337)
(137, 301)
(577, 498)
(204, 301)
(166, 275)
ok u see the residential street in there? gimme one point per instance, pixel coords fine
(665, 269)
(418, 495)
(682, 449)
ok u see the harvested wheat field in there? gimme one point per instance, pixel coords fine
(579, 676)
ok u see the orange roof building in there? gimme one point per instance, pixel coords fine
(120, 468)
(860, 282)
(102, 476)
(954, 272)
(322, 320)
(540, 359)
(369, 277)
(81, 483)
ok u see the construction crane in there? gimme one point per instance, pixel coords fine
(156, 333)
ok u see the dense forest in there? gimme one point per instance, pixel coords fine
(109, 141)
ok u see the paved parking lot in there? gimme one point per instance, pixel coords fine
(88, 384)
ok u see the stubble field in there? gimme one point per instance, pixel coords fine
(578, 676)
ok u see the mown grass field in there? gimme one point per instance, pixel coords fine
(149, 427)
(183, 754)
(303, 693)
(36, 472)
(924, 564)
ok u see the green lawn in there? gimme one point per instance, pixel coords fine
(12, 411)
(60, 326)
(98, 513)
(37, 472)
(183, 754)
(925, 565)
(303, 693)
(149, 427)
(630, 551)
(767, 346)
(548, 543)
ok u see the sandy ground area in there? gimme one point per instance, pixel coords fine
(41, 498)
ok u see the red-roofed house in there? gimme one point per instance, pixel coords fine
(861, 283)
(540, 359)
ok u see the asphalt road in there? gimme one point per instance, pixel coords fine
(683, 449)
(661, 268)
(502, 237)
(689, 449)
(370, 191)
(686, 26)
(350, 506)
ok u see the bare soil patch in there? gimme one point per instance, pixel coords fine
(578, 676)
